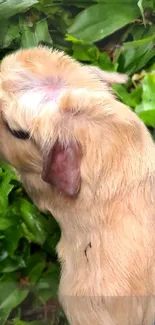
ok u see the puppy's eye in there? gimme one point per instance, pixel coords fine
(19, 134)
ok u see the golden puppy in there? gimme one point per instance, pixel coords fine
(90, 161)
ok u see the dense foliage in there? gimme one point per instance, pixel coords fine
(116, 35)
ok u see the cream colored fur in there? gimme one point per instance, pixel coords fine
(107, 245)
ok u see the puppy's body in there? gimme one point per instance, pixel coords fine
(107, 246)
(107, 243)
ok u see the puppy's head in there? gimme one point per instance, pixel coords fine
(59, 120)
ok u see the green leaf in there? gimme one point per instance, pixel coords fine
(105, 63)
(85, 52)
(11, 302)
(48, 7)
(9, 265)
(12, 34)
(135, 55)
(42, 32)
(35, 223)
(146, 110)
(140, 5)
(8, 169)
(143, 41)
(10, 295)
(74, 40)
(9, 8)
(35, 266)
(3, 317)
(12, 236)
(3, 255)
(4, 25)
(6, 223)
(51, 243)
(49, 277)
(134, 59)
(8, 283)
(15, 298)
(28, 38)
(32, 35)
(101, 20)
(17, 321)
(6, 177)
(36, 272)
(131, 99)
(53, 237)
(83, 3)
(148, 117)
(8, 218)
(49, 282)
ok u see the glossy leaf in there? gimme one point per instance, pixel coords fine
(101, 20)
(4, 25)
(48, 7)
(13, 235)
(10, 265)
(17, 321)
(12, 34)
(131, 99)
(6, 222)
(50, 280)
(28, 38)
(10, 295)
(9, 8)
(85, 52)
(42, 32)
(146, 110)
(8, 283)
(35, 266)
(105, 63)
(135, 55)
(34, 222)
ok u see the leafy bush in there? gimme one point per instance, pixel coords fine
(116, 35)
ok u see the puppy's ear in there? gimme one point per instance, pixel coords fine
(108, 77)
(62, 167)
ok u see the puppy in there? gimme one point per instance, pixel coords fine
(90, 161)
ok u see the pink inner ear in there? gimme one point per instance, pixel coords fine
(46, 88)
(62, 168)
